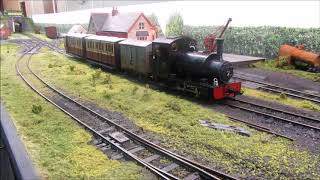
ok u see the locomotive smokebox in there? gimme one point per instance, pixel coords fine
(219, 47)
(203, 65)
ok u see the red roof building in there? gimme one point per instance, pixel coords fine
(132, 25)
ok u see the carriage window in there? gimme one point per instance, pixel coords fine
(112, 49)
(96, 46)
(108, 48)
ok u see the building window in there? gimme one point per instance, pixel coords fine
(143, 38)
(141, 25)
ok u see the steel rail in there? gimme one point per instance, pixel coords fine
(273, 116)
(203, 170)
(47, 44)
(128, 154)
(272, 88)
(260, 128)
(278, 110)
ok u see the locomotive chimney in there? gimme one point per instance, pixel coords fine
(114, 11)
(219, 42)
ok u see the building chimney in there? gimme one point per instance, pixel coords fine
(114, 11)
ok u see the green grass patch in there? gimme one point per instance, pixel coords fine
(57, 144)
(271, 65)
(283, 99)
(176, 121)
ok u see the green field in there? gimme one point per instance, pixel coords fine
(176, 122)
(271, 65)
(58, 146)
(302, 104)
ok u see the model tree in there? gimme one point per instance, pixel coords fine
(174, 26)
(154, 20)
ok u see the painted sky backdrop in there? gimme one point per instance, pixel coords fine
(243, 13)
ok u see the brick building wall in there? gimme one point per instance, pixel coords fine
(10, 5)
(139, 28)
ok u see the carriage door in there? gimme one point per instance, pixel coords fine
(132, 58)
(162, 56)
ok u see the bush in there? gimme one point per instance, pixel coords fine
(107, 79)
(93, 80)
(50, 66)
(97, 73)
(106, 95)
(283, 96)
(282, 61)
(134, 90)
(36, 109)
(173, 105)
(72, 68)
(146, 93)
(95, 76)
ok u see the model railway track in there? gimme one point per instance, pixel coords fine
(252, 125)
(279, 89)
(114, 139)
(50, 45)
(260, 128)
(277, 114)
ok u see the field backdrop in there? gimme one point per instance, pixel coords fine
(259, 41)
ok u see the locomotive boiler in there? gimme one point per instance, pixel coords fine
(204, 65)
(178, 62)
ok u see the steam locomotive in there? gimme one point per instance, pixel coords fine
(173, 61)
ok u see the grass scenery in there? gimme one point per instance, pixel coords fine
(272, 65)
(58, 146)
(283, 99)
(259, 41)
(176, 121)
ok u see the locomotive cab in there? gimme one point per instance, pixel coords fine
(164, 51)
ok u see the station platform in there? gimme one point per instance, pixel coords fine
(15, 163)
(241, 60)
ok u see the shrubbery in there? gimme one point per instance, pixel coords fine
(36, 109)
(259, 41)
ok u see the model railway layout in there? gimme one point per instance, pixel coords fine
(114, 138)
(173, 61)
(121, 143)
(304, 121)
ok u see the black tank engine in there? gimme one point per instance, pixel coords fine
(177, 61)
